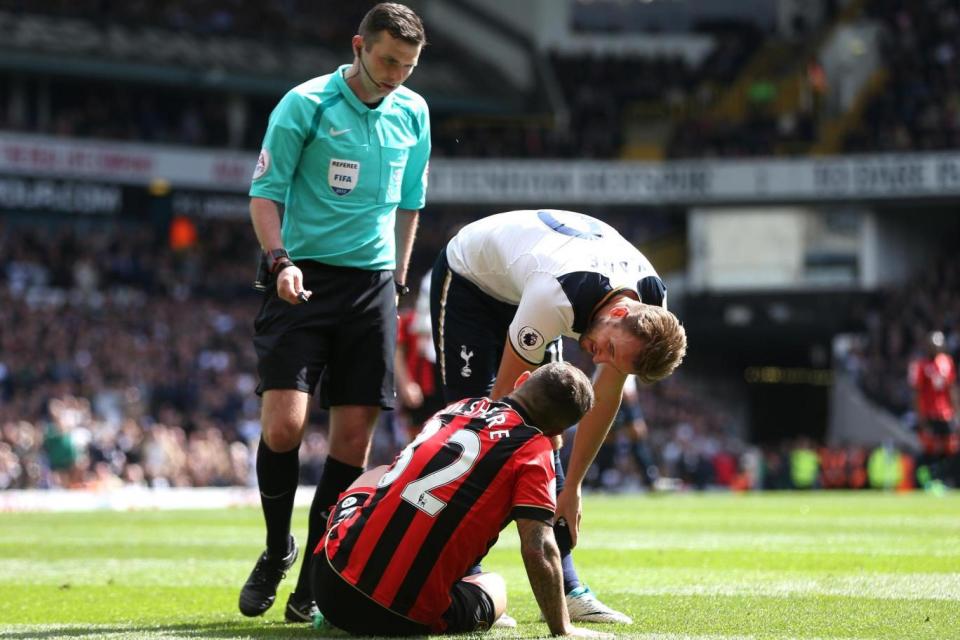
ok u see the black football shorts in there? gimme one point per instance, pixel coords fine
(471, 608)
(343, 338)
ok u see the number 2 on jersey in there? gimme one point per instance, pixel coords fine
(418, 491)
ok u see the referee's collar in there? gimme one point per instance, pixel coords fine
(385, 104)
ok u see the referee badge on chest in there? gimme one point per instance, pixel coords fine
(343, 175)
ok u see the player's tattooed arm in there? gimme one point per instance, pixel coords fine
(541, 557)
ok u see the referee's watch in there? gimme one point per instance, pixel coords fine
(401, 289)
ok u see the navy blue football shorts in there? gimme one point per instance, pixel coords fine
(469, 332)
(343, 338)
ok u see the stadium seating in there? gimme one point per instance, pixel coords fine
(919, 108)
(124, 359)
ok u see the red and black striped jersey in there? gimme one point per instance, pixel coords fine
(475, 466)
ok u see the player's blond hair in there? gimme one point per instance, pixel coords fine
(555, 396)
(665, 339)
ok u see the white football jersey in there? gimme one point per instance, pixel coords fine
(556, 266)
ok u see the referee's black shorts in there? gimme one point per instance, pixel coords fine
(469, 332)
(344, 338)
(471, 609)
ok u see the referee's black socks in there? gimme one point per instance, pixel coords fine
(336, 478)
(277, 475)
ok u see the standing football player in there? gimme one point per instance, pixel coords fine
(933, 377)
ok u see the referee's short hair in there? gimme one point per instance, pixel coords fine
(399, 20)
(555, 396)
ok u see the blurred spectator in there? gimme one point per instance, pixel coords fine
(416, 364)
(804, 465)
(628, 435)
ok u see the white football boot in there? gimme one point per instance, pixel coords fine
(584, 607)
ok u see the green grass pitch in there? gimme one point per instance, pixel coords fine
(707, 567)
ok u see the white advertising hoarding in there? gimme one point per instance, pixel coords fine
(527, 182)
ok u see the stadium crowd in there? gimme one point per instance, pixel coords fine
(140, 113)
(276, 21)
(125, 361)
(598, 89)
(896, 327)
(122, 360)
(919, 109)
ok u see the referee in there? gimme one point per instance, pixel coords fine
(344, 160)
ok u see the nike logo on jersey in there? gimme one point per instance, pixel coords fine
(338, 132)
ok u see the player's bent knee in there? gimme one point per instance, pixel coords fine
(371, 477)
(494, 586)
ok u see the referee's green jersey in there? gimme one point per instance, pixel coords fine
(342, 169)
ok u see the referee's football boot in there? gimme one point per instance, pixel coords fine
(584, 607)
(300, 608)
(260, 590)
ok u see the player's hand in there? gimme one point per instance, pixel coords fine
(290, 286)
(639, 429)
(568, 508)
(411, 395)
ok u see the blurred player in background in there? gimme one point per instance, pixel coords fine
(933, 377)
(401, 539)
(415, 367)
(504, 291)
(344, 159)
(629, 424)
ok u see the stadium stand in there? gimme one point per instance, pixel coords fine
(919, 107)
(77, 300)
(597, 88)
(106, 335)
(895, 327)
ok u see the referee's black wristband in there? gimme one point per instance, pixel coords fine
(277, 261)
(282, 264)
(401, 289)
